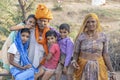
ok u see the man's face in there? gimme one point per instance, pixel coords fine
(42, 23)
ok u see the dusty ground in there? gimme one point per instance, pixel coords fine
(74, 13)
(118, 75)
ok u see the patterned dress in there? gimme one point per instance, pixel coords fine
(91, 69)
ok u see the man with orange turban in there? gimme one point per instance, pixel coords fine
(43, 16)
(38, 44)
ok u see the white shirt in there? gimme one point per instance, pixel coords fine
(36, 50)
(13, 50)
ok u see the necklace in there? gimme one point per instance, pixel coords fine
(92, 35)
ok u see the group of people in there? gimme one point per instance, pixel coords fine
(38, 51)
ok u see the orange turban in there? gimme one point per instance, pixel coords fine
(43, 12)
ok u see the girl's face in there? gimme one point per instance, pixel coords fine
(42, 23)
(31, 21)
(63, 33)
(91, 24)
(51, 39)
(25, 36)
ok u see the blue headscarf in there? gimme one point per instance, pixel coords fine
(22, 49)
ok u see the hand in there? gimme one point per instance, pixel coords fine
(75, 65)
(45, 56)
(113, 77)
(39, 66)
(28, 26)
(27, 66)
(65, 70)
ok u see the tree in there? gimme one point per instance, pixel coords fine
(24, 7)
(12, 13)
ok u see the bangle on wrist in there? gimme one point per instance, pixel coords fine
(73, 61)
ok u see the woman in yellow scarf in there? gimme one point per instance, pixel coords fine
(91, 58)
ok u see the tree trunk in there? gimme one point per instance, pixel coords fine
(22, 6)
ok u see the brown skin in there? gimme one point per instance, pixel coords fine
(106, 58)
(30, 23)
(46, 74)
(65, 70)
(11, 61)
(24, 37)
(91, 32)
(49, 56)
(50, 40)
(63, 33)
(42, 23)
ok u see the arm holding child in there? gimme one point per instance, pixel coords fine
(18, 27)
(11, 61)
(49, 56)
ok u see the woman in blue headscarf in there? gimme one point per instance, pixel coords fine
(21, 67)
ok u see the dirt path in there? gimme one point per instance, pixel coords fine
(118, 75)
(74, 13)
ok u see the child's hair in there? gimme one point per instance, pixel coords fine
(51, 33)
(25, 30)
(65, 26)
(30, 16)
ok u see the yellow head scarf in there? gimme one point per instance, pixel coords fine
(43, 12)
(83, 27)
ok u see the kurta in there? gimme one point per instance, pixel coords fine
(66, 48)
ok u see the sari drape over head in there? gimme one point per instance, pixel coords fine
(20, 74)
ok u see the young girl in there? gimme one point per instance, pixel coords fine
(66, 49)
(28, 23)
(20, 65)
(47, 70)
